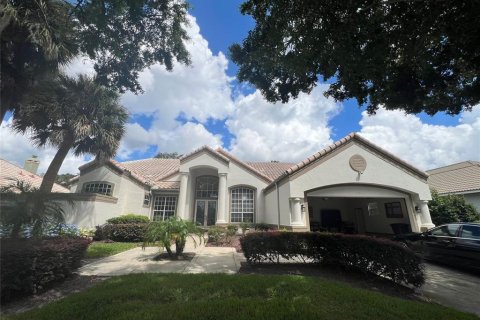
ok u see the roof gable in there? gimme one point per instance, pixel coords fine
(204, 149)
(302, 165)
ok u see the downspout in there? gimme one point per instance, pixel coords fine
(278, 205)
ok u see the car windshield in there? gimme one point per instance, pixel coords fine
(449, 230)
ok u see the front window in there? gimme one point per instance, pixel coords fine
(164, 207)
(207, 187)
(242, 204)
(99, 187)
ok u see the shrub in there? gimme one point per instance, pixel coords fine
(131, 232)
(29, 266)
(245, 226)
(129, 218)
(451, 208)
(381, 257)
(216, 234)
(263, 227)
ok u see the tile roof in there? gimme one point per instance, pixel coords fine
(204, 148)
(273, 170)
(10, 173)
(153, 169)
(245, 165)
(456, 178)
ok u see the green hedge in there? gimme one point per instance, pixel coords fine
(129, 218)
(129, 232)
(28, 266)
(377, 256)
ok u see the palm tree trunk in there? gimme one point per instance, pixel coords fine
(54, 167)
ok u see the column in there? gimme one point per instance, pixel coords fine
(182, 197)
(426, 218)
(296, 213)
(222, 198)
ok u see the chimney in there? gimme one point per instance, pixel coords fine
(31, 165)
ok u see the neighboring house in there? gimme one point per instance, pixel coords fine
(460, 178)
(10, 174)
(350, 186)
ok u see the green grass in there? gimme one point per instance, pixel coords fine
(102, 249)
(218, 296)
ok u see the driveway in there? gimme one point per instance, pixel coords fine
(452, 288)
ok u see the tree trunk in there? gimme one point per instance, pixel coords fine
(54, 167)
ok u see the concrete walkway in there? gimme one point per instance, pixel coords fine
(206, 260)
(452, 288)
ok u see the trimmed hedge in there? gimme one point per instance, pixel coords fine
(128, 218)
(377, 256)
(28, 266)
(130, 232)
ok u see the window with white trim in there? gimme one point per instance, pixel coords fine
(207, 187)
(242, 204)
(164, 207)
(99, 187)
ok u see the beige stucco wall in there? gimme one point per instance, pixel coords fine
(473, 199)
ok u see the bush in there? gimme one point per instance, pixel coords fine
(131, 232)
(129, 218)
(451, 208)
(263, 227)
(29, 266)
(216, 234)
(381, 257)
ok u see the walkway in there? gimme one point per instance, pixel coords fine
(206, 260)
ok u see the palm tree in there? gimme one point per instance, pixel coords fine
(73, 114)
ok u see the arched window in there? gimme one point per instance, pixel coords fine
(242, 204)
(98, 187)
(207, 187)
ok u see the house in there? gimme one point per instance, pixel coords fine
(11, 173)
(460, 178)
(350, 186)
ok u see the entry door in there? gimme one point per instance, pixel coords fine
(206, 212)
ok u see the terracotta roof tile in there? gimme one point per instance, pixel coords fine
(153, 169)
(9, 173)
(456, 178)
(168, 185)
(273, 170)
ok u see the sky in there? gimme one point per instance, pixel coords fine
(203, 104)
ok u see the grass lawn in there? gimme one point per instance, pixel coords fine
(102, 249)
(218, 296)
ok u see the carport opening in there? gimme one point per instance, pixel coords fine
(379, 216)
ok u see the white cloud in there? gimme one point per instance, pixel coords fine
(285, 132)
(16, 148)
(424, 145)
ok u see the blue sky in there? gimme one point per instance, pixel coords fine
(204, 104)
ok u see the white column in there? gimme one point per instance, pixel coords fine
(182, 197)
(426, 218)
(222, 198)
(296, 213)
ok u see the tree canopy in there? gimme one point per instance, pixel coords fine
(122, 37)
(168, 155)
(74, 114)
(416, 56)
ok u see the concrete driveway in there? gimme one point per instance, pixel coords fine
(452, 288)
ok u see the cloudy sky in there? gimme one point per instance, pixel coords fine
(203, 104)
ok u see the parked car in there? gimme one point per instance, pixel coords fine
(456, 244)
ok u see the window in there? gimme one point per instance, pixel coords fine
(471, 232)
(393, 210)
(446, 231)
(164, 207)
(99, 187)
(242, 204)
(207, 187)
(146, 200)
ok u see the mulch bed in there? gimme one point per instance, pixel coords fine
(186, 256)
(74, 284)
(352, 278)
(234, 242)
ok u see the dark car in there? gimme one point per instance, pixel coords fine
(456, 244)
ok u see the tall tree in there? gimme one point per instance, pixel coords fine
(122, 37)
(168, 155)
(404, 54)
(73, 114)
